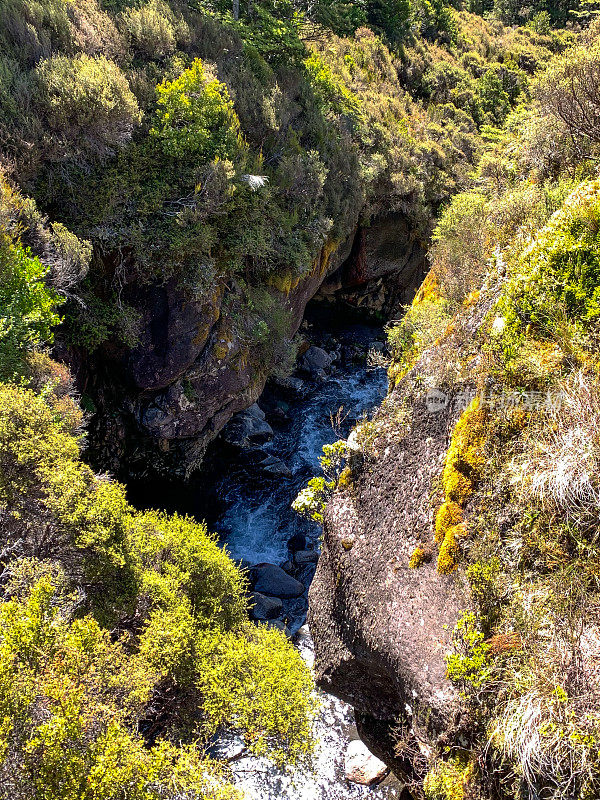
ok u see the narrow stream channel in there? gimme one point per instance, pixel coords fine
(256, 523)
(252, 514)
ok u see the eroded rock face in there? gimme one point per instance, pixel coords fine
(163, 401)
(386, 264)
(380, 628)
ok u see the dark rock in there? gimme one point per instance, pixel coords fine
(276, 467)
(302, 557)
(264, 607)
(297, 542)
(315, 362)
(292, 387)
(272, 580)
(248, 429)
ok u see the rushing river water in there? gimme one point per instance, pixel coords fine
(256, 522)
(252, 514)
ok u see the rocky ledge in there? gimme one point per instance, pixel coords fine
(160, 403)
(381, 629)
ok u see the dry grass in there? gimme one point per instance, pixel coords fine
(559, 464)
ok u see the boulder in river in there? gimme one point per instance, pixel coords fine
(315, 362)
(264, 607)
(361, 766)
(272, 580)
(302, 557)
(248, 429)
(276, 467)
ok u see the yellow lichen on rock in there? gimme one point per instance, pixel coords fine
(345, 479)
(449, 549)
(419, 556)
(449, 514)
(465, 461)
(465, 458)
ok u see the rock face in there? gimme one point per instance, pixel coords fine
(361, 766)
(380, 628)
(163, 401)
(386, 264)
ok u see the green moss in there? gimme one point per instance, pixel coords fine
(449, 780)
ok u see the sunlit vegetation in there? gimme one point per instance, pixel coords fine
(516, 259)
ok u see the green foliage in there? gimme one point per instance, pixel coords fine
(67, 698)
(561, 265)
(195, 119)
(154, 29)
(469, 664)
(258, 684)
(191, 632)
(27, 307)
(311, 501)
(86, 105)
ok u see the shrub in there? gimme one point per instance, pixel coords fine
(86, 104)
(448, 780)
(67, 697)
(468, 664)
(195, 118)
(461, 245)
(561, 265)
(153, 29)
(570, 90)
(27, 307)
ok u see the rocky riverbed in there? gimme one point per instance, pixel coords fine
(262, 459)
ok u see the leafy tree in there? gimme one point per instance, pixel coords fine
(570, 90)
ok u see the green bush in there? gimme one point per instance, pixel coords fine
(195, 119)
(153, 28)
(28, 307)
(86, 105)
(561, 265)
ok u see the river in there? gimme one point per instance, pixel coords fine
(255, 521)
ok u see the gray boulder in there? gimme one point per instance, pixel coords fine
(315, 362)
(272, 580)
(276, 467)
(248, 429)
(361, 766)
(264, 607)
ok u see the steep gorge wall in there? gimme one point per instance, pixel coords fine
(160, 403)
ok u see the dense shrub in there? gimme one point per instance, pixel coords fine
(154, 29)
(86, 104)
(561, 265)
(28, 307)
